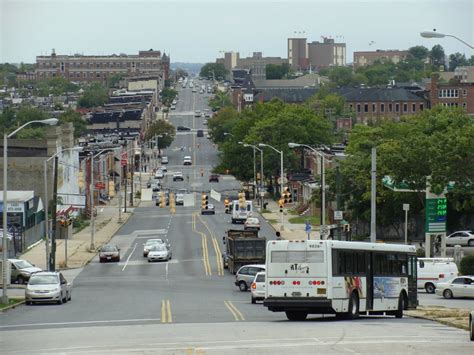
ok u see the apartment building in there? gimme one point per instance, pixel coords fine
(365, 58)
(87, 68)
(298, 53)
(326, 54)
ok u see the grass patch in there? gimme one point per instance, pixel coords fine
(11, 302)
(79, 224)
(272, 221)
(314, 220)
(265, 211)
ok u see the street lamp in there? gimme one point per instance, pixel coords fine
(91, 192)
(262, 145)
(434, 34)
(323, 181)
(255, 168)
(49, 121)
(46, 202)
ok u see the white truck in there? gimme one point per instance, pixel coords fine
(240, 214)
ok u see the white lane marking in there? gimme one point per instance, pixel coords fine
(167, 271)
(81, 322)
(129, 256)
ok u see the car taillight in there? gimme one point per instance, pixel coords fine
(254, 286)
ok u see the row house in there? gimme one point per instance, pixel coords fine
(99, 68)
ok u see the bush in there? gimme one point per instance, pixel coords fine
(466, 267)
(420, 253)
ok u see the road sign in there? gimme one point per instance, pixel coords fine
(100, 185)
(124, 159)
(436, 215)
(285, 180)
(338, 215)
(308, 227)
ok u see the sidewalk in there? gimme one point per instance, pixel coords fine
(78, 253)
(290, 231)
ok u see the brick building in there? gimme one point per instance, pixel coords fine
(98, 68)
(365, 58)
(326, 54)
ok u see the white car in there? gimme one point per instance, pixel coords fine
(163, 168)
(187, 160)
(178, 176)
(159, 174)
(462, 286)
(150, 243)
(464, 238)
(257, 289)
(159, 252)
(46, 286)
(252, 223)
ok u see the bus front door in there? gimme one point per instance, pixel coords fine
(412, 279)
(370, 281)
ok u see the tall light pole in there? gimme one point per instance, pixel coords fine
(91, 192)
(49, 121)
(323, 181)
(46, 202)
(434, 34)
(281, 163)
(255, 168)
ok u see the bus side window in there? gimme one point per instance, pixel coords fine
(422, 264)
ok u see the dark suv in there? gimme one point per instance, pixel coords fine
(214, 178)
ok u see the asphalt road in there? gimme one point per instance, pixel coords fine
(123, 306)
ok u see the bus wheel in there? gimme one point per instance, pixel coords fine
(296, 315)
(401, 306)
(430, 288)
(353, 311)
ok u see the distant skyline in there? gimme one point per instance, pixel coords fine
(199, 31)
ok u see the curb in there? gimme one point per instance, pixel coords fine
(439, 320)
(12, 306)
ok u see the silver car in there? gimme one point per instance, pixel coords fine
(47, 286)
(150, 243)
(246, 274)
(257, 289)
(21, 270)
(159, 252)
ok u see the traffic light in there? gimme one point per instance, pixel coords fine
(286, 195)
(242, 201)
(346, 227)
(280, 203)
(226, 205)
(172, 203)
(204, 201)
(162, 199)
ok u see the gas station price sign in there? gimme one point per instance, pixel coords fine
(436, 215)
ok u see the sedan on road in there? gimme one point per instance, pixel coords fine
(109, 253)
(257, 289)
(213, 178)
(462, 286)
(252, 223)
(150, 243)
(159, 252)
(178, 176)
(21, 270)
(209, 210)
(464, 238)
(47, 286)
(182, 128)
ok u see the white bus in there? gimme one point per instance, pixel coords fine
(345, 278)
(240, 214)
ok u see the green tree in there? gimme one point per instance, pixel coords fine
(274, 71)
(437, 56)
(341, 76)
(113, 81)
(220, 100)
(181, 73)
(457, 60)
(467, 265)
(161, 127)
(214, 70)
(471, 60)
(222, 122)
(80, 125)
(94, 95)
(168, 95)
(419, 52)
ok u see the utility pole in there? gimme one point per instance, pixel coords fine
(52, 255)
(132, 165)
(338, 201)
(373, 226)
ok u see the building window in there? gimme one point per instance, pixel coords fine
(397, 107)
(382, 107)
(374, 107)
(358, 107)
(351, 107)
(390, 107)
(421, 107)
(464, 106)
(405, 107)
(413, 107)
(366, 107)
(464, 92)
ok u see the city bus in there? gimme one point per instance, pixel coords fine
(337, 277)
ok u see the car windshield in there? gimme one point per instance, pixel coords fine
(158, 247)
(44, 280)
(109, 248)
(23, 264)
(154, 241)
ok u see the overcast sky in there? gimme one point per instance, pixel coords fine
(196, 31)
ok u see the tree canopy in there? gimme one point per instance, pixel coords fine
(168, 95)
(220, 100)
(274, 71)
(161, 127)
(218, 69)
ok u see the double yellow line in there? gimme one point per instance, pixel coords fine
(166, 312)
(217, 249)
(205, 251)
(235, 312)
(191, 351)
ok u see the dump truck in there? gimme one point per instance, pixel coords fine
(243, 247)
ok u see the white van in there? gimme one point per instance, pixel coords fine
(433, 270)
(241, 214)
(187, 160)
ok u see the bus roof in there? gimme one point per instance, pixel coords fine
(336, 244)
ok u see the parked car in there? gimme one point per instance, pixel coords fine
(252, 223)
(182, 128)
(178, 176)
(213, 178)
(21, 270)
(431, 271)
(246, 274)
(209, 210)
(257, 289)
(462, 286)
(463, 238)
(150, 243)
(109, 252)
(47, 286)
(159, 252)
